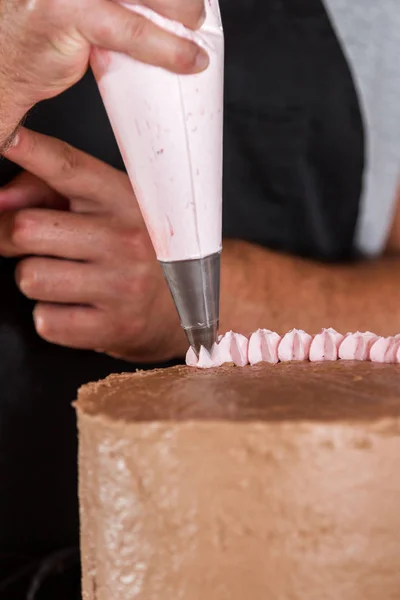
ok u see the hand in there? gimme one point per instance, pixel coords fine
(89, 261)
(45, 44)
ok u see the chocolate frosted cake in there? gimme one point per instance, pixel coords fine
(272, 482)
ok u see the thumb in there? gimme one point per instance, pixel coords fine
(28, 191)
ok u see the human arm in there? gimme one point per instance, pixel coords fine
(282, 292)
(45, 46)
(262, 288)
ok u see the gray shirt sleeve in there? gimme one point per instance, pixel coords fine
(369, 31)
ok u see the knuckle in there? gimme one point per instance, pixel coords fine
(104, 31)
(22, 229)
(70, 160)
(185, 55)
(136, 243)
(111, 246)
(130, 287)
(138, 286)
(136, 27)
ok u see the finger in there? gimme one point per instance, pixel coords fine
(90, 184)
(119, 29)
(191, 14)
(26, 191)
(61, 281)
(54, 233)
(80, 327)
(65, 169)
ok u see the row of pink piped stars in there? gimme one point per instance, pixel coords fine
(267, 346)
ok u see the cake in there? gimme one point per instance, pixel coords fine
(266, 482)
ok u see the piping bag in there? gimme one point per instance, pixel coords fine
(169, 131)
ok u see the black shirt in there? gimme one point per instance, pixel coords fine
(294, 155)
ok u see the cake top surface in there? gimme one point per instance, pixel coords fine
(296, 391)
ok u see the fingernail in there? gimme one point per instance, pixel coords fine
(14, 140)
(202, 60)
(11, 143)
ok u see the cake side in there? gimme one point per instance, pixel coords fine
(197, 510)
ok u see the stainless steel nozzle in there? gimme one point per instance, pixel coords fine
(194, 285)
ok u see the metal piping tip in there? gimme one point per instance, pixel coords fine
(194, 285)
(202, 336)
